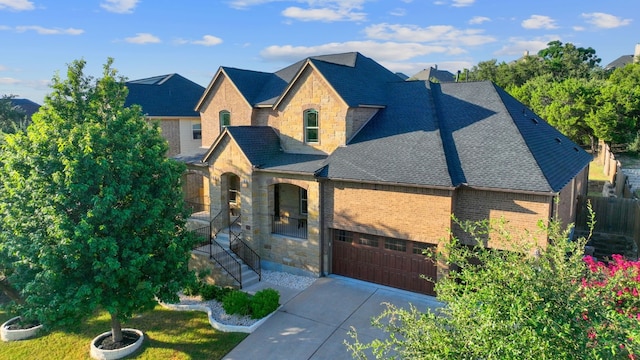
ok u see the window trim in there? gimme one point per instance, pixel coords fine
(303, 199)
(196, 133)
(221, 118)
(305, 120)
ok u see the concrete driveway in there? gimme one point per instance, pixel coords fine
(313, 323)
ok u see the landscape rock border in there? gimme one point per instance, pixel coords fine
(101, 354)
(19, 334)
(214, 323)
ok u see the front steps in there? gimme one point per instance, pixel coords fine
(249, 277)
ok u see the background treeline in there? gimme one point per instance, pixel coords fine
(567, 87)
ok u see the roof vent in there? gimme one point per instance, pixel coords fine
(576, 149)
(558, 140)
(535, 121)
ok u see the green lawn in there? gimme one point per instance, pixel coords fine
(168, 335)
(596, 171)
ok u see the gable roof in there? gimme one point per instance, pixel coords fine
(620, 62)
(261, 146)
(442, 135)
(165, 95)
(434, 73)
(350, 74)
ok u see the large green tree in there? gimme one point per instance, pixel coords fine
(91, 208)
(528, 303)
(565, 104)
(616, 116)
(564, 61)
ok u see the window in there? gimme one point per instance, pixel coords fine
(368, 240)
(197, 131)
(234, 189)
(395, 244)
(420, 248)
(311, 126)
(303, 201)
(343, 235)
(225, 119)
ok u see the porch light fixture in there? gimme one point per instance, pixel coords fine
(245, 183)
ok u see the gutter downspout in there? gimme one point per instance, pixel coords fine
(321, 229)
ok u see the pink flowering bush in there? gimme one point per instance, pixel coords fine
(616, 287)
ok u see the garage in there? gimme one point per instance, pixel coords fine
(383, 260)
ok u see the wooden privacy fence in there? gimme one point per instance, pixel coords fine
(613, 216)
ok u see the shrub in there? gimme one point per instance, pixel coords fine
(193, 288)
(264, 302)
(208, 291)
(236, 302)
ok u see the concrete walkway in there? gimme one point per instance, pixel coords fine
(313, 323)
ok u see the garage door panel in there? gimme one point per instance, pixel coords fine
(383, 266)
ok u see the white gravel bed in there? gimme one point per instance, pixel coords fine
(272, 277)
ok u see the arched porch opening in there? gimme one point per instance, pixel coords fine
(289, 213)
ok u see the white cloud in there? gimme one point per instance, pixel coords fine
(462, 3)
(605, 21)
(412, 68)
(518, 46)
(9, 81)
(327, 11)
(398, 12)
(435, 33)
(579, 28)
(17, 5)
(119, 6)
(143, 38)
(539, 22)
(478, 20)
(243, 4)
(208, 40)
(49, 31)
(381, 51)
(323, 14)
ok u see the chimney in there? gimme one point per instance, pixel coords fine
(636, 54)
(526, 53)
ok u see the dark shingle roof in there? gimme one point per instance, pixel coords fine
(165, 95)
(350, 74)
(261, 146)
(427, 134)
(401, 144)
(620, 62)
(434, 73)
(27, 105)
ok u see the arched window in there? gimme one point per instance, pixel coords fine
(311, 126)
(225, 119)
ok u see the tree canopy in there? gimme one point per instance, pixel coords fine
(531, 303)
(91, 209)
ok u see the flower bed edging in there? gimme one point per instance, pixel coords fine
(214, 323)
(15, 335)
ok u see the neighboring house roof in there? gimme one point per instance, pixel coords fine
(27, 105)
(441, 135)
(165, 95)
(620, 62)
(433, 73)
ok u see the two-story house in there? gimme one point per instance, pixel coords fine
(337, 165)
(170, 100)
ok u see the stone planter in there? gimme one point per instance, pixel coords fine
(19, 334)
(102, 354)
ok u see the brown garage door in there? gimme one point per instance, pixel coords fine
(382, 260)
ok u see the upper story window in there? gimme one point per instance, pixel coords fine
(225, 119)
(197, 130)
(311, 126)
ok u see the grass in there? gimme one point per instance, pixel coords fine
(596, 171)
(168, 334)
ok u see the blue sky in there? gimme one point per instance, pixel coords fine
(194, 37)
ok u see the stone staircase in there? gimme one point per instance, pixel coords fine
(249, 277)
(633, 178)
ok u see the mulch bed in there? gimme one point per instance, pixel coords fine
(107, 343)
